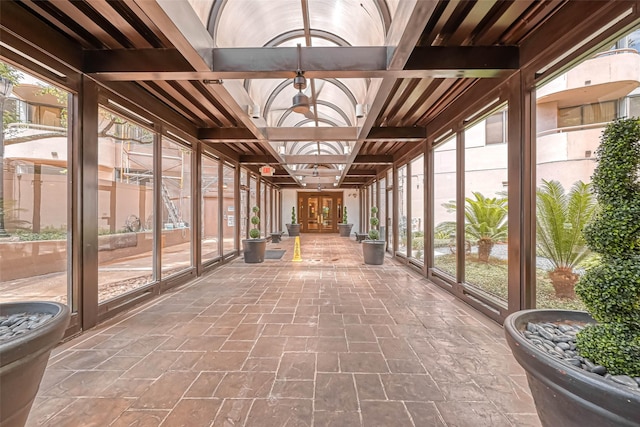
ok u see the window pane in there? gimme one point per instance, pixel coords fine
(125, 205)
(494, 126)
(34, 237)
(176, 207)
(402, 210)
(571, 116)
(444, 197)
(634, 106)
(253, 201)
(565, 164)
(382, 206)
(228, 210)
(485, 209)
(417, 208)
(210, 209)
(263, 209)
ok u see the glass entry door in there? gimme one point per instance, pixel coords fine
(318, 212)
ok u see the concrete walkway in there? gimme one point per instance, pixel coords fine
(327, 341)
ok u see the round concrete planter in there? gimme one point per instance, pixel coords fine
(373, 251)
(293, 229)
(345, 229)
(23, 359)
(254, 250)
(566, 395)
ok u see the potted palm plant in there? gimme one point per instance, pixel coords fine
(344, 227)
(255, 247)
(293, 229)
(560, 219)
(373, 248)
(485, 222)
(599, 384)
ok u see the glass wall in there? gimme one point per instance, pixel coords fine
(444, 198)
(402, 210)
(34, 193)
(125, 205)
(382, 206)
(485, 208)
(253, 201)
(264, 214)
(417, 208)
(175, 191)
(210, 205)
(390, 211)
(570, 119)
(228, 209)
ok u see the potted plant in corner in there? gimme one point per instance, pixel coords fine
(584, 370)
(373, 248)
(345, 228)
(28, 333)
(255, 247)
(293, 229)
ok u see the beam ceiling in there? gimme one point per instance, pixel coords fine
(317, 62)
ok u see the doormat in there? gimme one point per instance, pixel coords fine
(274, 253)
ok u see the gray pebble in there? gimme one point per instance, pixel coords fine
(600, 370)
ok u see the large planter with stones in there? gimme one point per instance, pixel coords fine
(567, 395)
(345, 229)
(293, 229)
(254, 250)
(373, 252)
(24, 352)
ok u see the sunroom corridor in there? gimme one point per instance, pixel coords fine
(325, 341)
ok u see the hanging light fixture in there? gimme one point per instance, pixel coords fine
(300, 100)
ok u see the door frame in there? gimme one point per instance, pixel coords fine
(337, 198)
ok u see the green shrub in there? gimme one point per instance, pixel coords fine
(254, 233)
(293, 215)
(374, 234)
(611, 290)
(344, 215)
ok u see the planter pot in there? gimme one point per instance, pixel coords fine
(566, 395)
(293, 229)
(254, 250)
(23, 359)
(345, 229)
(373, 251)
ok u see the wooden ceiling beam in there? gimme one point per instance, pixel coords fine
(319, 62)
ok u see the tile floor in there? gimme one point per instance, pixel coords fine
(327, 341)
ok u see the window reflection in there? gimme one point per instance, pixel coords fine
(444, 218)
(402, 210)
(34, 177)
(229, 217)
(125, 205)
(210, 209)
(175, 192)
(485, 208)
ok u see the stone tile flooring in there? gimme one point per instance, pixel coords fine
(327, 341)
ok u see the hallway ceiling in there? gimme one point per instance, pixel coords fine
(377, 71)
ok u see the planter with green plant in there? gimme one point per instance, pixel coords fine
(560, 219)
(254, 247)
(293, 229)
(485, 222)
(594, 380)
(373, 248)
(345, 227)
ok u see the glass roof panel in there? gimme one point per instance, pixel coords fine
(251, 23)
(202, 9)
(358, 22)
